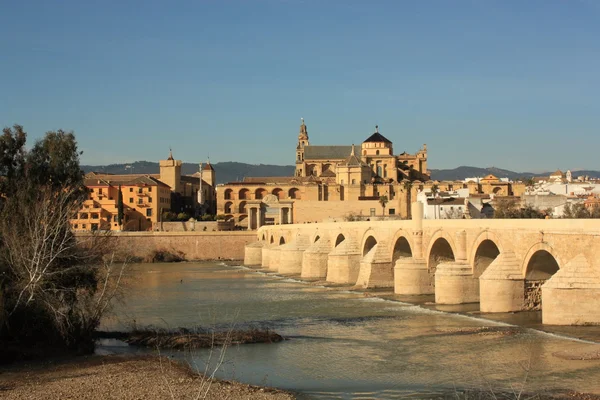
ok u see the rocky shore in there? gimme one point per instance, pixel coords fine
(121, 377)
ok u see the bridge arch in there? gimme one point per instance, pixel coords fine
(272, 239)
(528, 267)
(401, 246)
(281, 240)
(368, 245)
(485, 249)
(441, 249)
(339, 238)
(539, 265)
(369, 236)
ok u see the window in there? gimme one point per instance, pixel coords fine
(100, 191)
(131, 199)
(149, 212)
(372, 211)
(83, 226)
(94, 216)
(392, 211)
(94, 227)
(130, 189)
(149, 199)
(377, 152)
(75, 226)
(140, 190)
(108, 218)
(140, 201)
(354, 181)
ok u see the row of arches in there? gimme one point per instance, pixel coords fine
(260, 193)
(539, 265)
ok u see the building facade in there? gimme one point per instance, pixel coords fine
(330, 182)
(146, 197)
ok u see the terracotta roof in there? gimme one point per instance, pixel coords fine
(457, 201)
(327, 173)
(269, 179)
(377, 137)
(326, 152)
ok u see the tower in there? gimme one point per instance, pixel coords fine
(170, 172)
(208, 174)
(302, 142)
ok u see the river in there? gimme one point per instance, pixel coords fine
(343, 344)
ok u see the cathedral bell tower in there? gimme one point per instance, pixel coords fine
(302, 142)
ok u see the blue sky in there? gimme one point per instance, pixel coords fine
(511, 84)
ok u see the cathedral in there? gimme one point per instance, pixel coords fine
(329, 183)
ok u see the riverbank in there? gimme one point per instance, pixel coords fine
(121, 377)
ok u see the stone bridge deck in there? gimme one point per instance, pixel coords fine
(505, 265)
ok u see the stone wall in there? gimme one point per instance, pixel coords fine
(193, 226)
(186, 226)
(193, 245)
(319, 211)
(533, 295)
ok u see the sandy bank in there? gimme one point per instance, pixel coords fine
(120, 377)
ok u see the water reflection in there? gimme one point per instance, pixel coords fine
(344, 344)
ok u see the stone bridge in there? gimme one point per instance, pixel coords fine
(504, 265)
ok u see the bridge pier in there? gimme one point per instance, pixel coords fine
(502, 286)
(375, 270)
(274, 258)
(314, 259)
(454, 281)
(411, 276)
(291, 254)
(265, 255)
(454, 284)
(343, 263)
(253, 254)
(572, 295)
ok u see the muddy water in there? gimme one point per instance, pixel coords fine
(345, 345)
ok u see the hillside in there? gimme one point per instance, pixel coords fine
(234, 171)
(226, 171)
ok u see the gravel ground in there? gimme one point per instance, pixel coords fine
(120, 377)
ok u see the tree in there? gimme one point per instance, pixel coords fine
(529, 182)
(435, 189)
(383, 200)
(54, 286)
(12, 157)
(120, 208)
(54, 160)
(508, 208)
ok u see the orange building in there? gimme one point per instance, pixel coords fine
(146, 197)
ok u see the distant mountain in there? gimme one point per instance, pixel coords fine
(464, 172)
(225, 171)
(234, 171)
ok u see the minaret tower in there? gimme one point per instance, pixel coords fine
(302, 142)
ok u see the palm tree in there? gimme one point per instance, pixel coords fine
(435, 189)
(383, 200)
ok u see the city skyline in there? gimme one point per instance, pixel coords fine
(505, 84)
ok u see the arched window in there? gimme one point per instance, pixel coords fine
(228, 194)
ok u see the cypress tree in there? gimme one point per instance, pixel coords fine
(120, 207)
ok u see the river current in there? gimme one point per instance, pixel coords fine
(343, 344)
